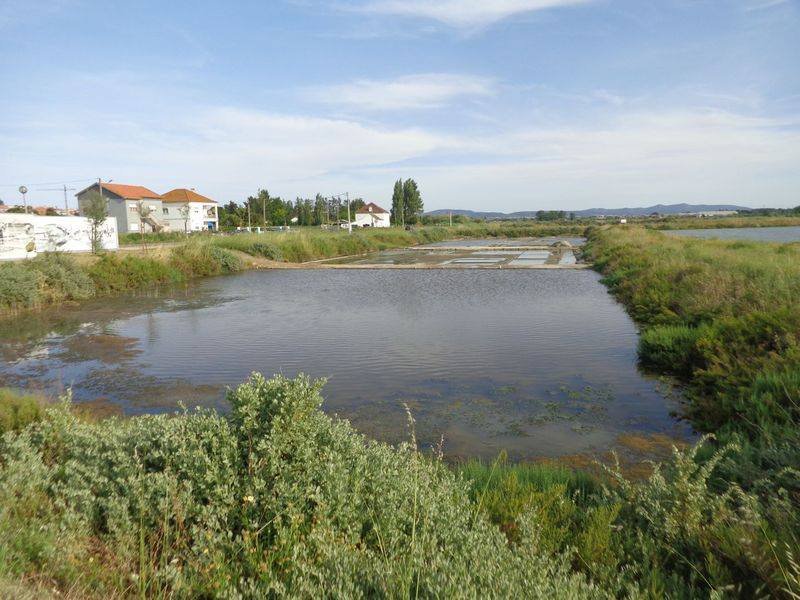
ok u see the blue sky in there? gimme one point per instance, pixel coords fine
(488, 104)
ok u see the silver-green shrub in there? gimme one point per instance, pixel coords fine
(278, 500)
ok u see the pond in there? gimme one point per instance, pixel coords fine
(756, 234)
(538, 363)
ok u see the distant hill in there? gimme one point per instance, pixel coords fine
(663, 209)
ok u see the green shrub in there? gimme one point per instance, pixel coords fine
(197, 259)
(62, 278)
(20, 287)
(670, 348)
(280, 501)
(114, 274)
(18, 410)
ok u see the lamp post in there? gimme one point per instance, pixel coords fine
(24, 190)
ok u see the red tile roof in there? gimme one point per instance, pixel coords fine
(184, 195)
(129, 192)
(376, 210)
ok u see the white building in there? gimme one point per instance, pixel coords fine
(186, 210)
(372, 215)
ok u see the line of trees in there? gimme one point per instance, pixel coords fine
(407, 206)
(264, 210)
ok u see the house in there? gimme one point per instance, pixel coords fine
(372, 215)
(123, 203)
(186, 210)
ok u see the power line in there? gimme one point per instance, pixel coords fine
(48, 182)
(66, 189)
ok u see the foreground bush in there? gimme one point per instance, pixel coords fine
(279, 500)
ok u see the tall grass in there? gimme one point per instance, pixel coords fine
(54, 277)
(17, 410)
(724, 317)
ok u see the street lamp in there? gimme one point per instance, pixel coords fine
(23, 190)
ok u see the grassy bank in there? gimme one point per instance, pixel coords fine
(53, 278)
(725, 318)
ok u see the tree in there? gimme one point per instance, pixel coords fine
(51, 212)
(319, 210)
(184, 210)
(95, 208)
(412, 202)
(397, 204)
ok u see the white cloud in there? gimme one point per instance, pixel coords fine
(430, 90)
(634, 158)
(464, 13)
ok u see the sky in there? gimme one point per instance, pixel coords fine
(497, 105)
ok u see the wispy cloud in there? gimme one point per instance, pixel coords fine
(467, 14)
(754, 5)
(16, 12)
(430, 90)
(636, 156)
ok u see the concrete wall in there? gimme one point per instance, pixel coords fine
(23, 236)
(372, 220)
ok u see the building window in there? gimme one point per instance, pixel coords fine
(165, 210)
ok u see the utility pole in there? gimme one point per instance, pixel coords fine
(65, 189)
(264, 211)
(349, 223)
(451, 218)
(249, 224)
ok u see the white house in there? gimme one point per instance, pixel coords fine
(186, 210)
(372, 215)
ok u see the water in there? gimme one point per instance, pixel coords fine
(757, 234)
(536, 362)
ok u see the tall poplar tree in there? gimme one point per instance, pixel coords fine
(398, 204)
(412, 202)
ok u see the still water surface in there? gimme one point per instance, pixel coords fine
(757, 234)
(539, 363)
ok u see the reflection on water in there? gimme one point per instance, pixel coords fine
(540, 363)
(756, 234)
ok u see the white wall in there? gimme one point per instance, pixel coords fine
(22, 236)
(372, 220)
